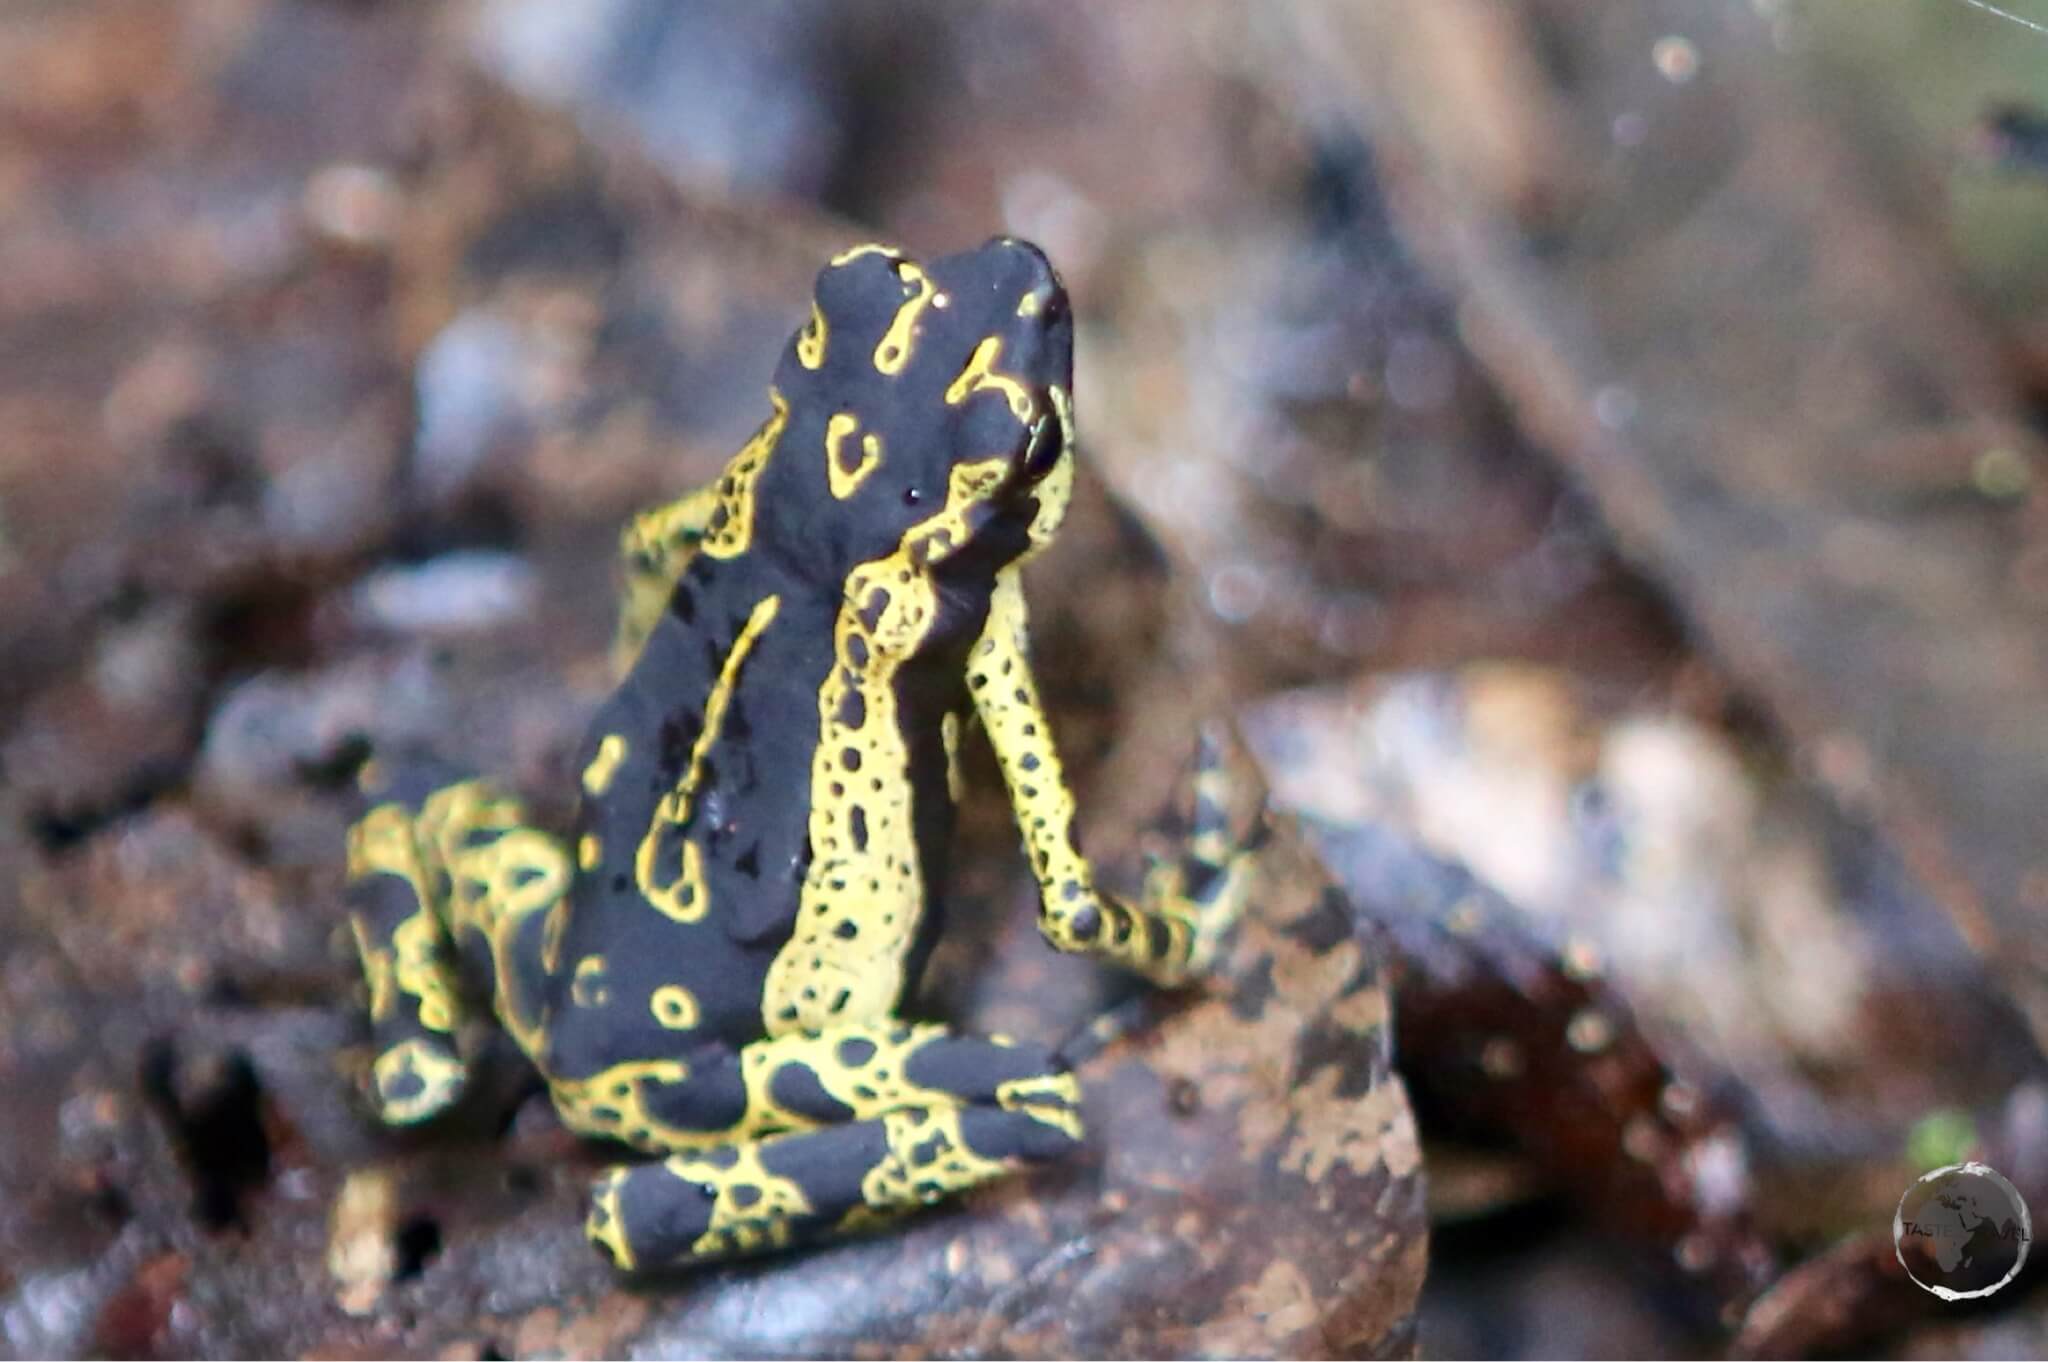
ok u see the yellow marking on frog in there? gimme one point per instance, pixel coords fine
(1051, 1099)
(381, 842)
(612, 1104)
(499, 869)
(1211, 841)
(730, 527)
(604, 1226)
(471, 865)
(876, 1085)
(438, 1074)
(865, 1219)
(864, 892)
(846, 477)
(654, 548)
(597, 777)
(853, 253)
(589, 851)
(929, 1159)
(893, 351)
(552, 932)
(1029, 305)
(423, 971)
(526, 872)
(377, 973)
(980, 373)
(752, 1209)
(1197, 926)
(949, 737)
(810, 342)
(685, 897)
(674, 1007)
(1005, 694)
(500, 872)
(1056, 488)
(587, 987)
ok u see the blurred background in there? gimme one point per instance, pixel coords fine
(1599, 444)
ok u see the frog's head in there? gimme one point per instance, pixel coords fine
(929, 411)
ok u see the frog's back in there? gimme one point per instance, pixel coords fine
(694, 834)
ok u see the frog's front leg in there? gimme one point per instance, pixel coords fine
(1187, 903)
(440, 863)
(843, 1129)
(656, 545)
(654, 548)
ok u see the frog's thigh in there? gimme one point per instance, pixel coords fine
(397, 893)
(440, 861)
(401, 942)
(906, 1116)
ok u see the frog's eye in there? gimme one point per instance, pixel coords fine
(1042, 447)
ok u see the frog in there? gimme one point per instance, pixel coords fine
(712, 970)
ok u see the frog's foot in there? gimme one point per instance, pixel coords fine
(1191, 897)
(916, 1115)
(433, 858)
(1205, 883)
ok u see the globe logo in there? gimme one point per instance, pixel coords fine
(1962, 1231)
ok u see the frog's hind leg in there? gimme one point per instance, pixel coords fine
(438, 861)
(844, 1130)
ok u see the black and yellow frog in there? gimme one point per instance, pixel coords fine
(711, 971)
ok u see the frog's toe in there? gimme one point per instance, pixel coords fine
(691, 1209)
(1207, 883)
(644, 1216)
(1026, 1133)
(415, 1080)
(1209, 776)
